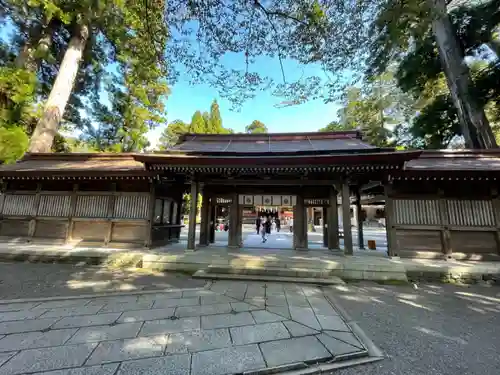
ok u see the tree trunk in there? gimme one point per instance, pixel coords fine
(46, 128)
(475, 126)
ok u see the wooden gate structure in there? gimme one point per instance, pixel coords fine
(438, 204)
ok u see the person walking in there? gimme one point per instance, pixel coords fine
(263, 231)
(278, 224)
(291, 225)
(268, 225)
(257, 224)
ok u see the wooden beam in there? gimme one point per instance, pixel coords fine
(392, 245)
(346, 219)
(151, 212)
(72, 208)
(333, 221)
(269, 182)
(359, 219)
(233, 238)
(191, 245)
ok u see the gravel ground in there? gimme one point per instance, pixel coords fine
(31, 280)
(436, 329)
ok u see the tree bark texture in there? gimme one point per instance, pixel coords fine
(475, 126)
(46, 128)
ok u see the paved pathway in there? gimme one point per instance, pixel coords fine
(225, 328)
(284, 239)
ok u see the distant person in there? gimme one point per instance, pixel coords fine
(291, 225)
(263, 231)
(258, 221)
(278, 224)
(268, 225)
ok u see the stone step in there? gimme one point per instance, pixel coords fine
(270, 271)
(331, 280)
(354, 272)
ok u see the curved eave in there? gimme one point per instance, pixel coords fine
(273, 161)
(75, 175)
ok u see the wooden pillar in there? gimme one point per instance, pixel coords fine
(192, 216)
(325, 226)
(213, 220)
(392, 245)
(3, 189)
(346, 219)
(496, 212)
(239, 228)
(205, 217)
(445, 229)
(151, 213)
(111, 209)
(36, 204)
(72, 208)
(333, 221)
(234, 208)
(300, 224)
(359, 220)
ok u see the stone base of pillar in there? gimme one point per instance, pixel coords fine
(301, 249)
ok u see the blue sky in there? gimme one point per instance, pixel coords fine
(185, 99)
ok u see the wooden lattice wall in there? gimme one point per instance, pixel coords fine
(437, 226)
(87, 217)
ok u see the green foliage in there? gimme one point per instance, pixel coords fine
(256, 127)
(171, 134)
(375, 110)
(13, 143)
(198, 124)
(206, 123)
(214, 125)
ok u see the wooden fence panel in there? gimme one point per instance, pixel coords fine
(19, 205)
(54, 205)
(92, 206)
(471, 213)
(416, 212)
(131, 206)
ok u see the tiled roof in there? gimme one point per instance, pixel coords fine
(271, 143)
(456, 160)
(73, 164)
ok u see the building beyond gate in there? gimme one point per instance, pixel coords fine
(437, 203)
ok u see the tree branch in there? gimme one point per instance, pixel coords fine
(268, 16)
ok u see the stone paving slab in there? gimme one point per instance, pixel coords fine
(108, 369)
(143, 315)
(225, 328)
(31, 340)
(226, 320)
(122, 350)
(171, 365)
(28, 325)
(198, 340)
(165, 326)
(258, 333)
(104, 333)
(86, 320)
(237, 359)
(297, 349)
(45, 359)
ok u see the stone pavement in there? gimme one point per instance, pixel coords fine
(224, 328)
